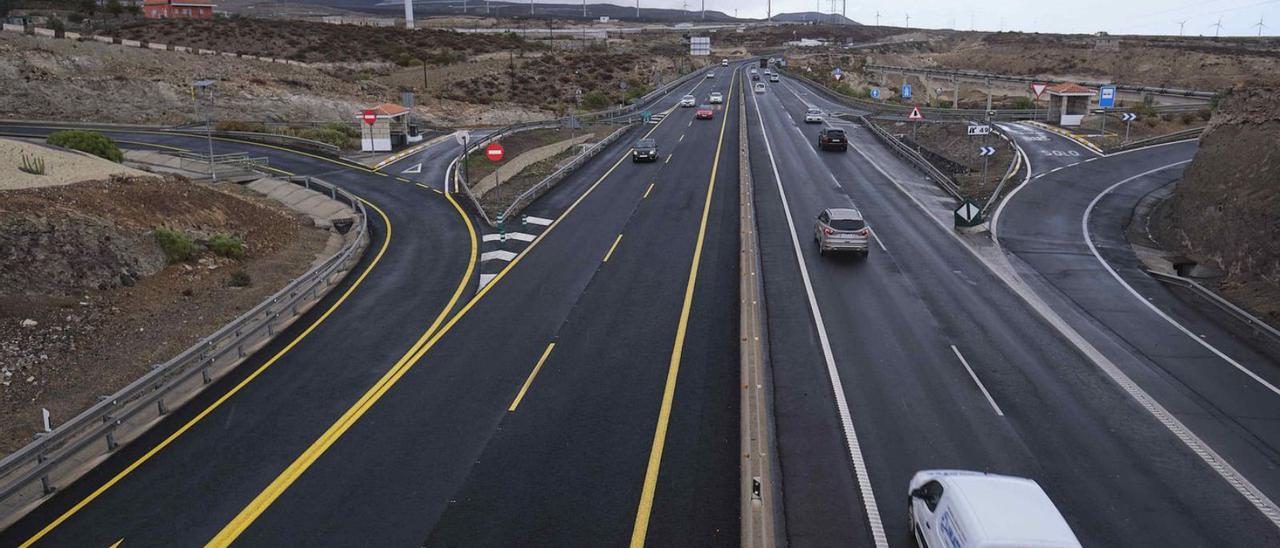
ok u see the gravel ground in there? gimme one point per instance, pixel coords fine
(61, 166)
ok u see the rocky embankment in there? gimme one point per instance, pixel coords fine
(1226, 211)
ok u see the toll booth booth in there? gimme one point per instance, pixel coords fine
(1068, 104)
(390, 128)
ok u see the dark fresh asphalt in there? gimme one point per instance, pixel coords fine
(187, 491)
(1041, 226)
(1119, 477)
(439, 458)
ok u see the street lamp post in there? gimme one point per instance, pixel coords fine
(205, 89)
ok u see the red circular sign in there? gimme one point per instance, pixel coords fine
(494, 151)
(369, 117)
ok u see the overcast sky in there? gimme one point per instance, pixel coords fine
(1115, 16)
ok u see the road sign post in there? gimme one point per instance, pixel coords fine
(1106, 100)
(968, 215)
(1128, 118)
(915, 118)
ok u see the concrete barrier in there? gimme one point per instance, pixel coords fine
(104, 39)
(208, 52)
(44, 32)
(153, 45)
(227, 54)
(183, 49)
(71, 35)
(12, 28)
(131, 43)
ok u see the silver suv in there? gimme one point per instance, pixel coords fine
(842, 229)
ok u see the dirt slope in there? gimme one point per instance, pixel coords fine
(1226, 211)
(87, 302)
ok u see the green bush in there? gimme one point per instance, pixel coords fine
(227, 246)
(1021, 103)
(32, 164)
(239, 278)
(92, 142)
(177, 247)
(594, 100)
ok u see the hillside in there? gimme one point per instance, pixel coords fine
(1226, 211)
(808, 16)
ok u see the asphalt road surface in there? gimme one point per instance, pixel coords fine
(942, 366)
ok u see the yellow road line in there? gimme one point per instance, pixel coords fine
(304, 461)
(645, 509)
(217, 403)
(647, 191)
(612, 247)
(273, 491)
(516, 402)
(435, 190)
(403, 180)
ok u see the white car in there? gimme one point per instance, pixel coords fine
(961, 508)
(813, 116)
(711, 75)
(688, 101)
(724, 62)
(759, 87)
(715, 98)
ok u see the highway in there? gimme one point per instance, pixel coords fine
(942, 365)
(1206, 368)
(579, 384)
(249, 425)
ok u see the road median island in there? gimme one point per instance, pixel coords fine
(761, 504)
(115, 275)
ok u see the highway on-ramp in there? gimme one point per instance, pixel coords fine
(940, 364)
(192, 472)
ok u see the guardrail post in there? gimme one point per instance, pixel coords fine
(204, 375)
(161, 408)
(111, 441)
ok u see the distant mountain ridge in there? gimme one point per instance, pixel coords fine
(807, 16)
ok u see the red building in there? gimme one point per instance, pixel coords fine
(177, 9)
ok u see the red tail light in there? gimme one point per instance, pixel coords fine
(827, 231)
(866, 231)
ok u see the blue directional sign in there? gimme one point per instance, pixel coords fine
(906, 91)
(875, 93)
(1107, 97)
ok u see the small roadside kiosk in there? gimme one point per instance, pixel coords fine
(383, 127)
(1069, 103)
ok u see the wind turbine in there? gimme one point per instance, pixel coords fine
(1217, 27)
(877, 18)
(908, 19)
(1181, 25)
(408, 14)
(1260, 26)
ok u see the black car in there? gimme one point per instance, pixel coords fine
(645, 150)
(830, 138)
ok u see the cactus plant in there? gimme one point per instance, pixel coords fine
(32, 164)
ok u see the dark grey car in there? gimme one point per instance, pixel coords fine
(645, 150)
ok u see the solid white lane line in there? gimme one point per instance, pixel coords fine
(842, 406)
(974, 376)
(1216, 462)
(538, 220)
(499, 255)
(510, 236)
(1088, 239)
(1091, 159)
(878, 242)
(1055, 169)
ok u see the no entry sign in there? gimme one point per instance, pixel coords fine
(494, 152)
(369, 117)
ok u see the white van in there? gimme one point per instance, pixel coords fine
(961, 509)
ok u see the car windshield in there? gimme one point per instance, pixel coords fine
(705, 107)
(835, 133)
(814, 111)
(848, 224)
(646, 143)
(687, 97)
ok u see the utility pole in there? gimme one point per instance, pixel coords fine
(637, 10)
(769, 11)
(584, 9)
(204, 88)
(530, 7)
(704, 10)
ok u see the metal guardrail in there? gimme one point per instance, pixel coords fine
(1160, 139)
(973, 74)
(59, 457)
(880, 108)
(912, 156)
(528, 196)
(1258, 326)
(269, 138)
